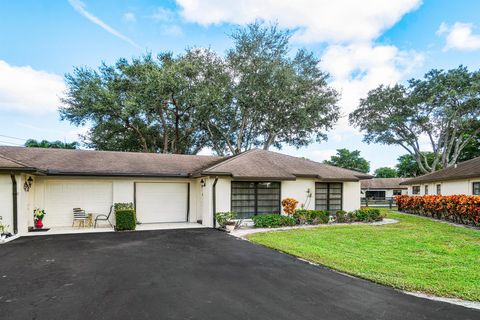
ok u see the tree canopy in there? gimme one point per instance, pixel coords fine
(443, 108)
(258, 95)
(385, 172)
(32, 143)
(349, 160)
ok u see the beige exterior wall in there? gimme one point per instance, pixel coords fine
(303, 190)
(201, 201)
(351, 200)
(6, 201)
(464, 186)
(122, 191)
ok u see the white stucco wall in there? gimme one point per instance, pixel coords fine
(451, 187)
(298, 190)
(122, 191)
(6, 201)
(351, 200)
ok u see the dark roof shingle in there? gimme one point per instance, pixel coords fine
(262, 164)
(463, 170)
(383, 183)
(87, 162)
(254, 164)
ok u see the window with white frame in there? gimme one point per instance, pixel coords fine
(439, 189)
(426, 189)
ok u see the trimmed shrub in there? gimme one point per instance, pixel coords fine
(289, 205)
(462, 209)
(303, 216)
(366, 215)
(272, 221)
(123, 206)
(341, 216)
(125, 219)
(223, 218)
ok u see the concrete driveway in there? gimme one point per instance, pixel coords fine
(187, 274)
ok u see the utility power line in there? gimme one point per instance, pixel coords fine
(10, 137)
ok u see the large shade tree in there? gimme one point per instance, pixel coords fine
(442, 108)
(278, 98)
(258, 95)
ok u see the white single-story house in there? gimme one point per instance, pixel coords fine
(462, 178)
(382, 188)
(164, 187)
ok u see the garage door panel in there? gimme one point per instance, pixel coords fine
(62, 196)
(161, 202)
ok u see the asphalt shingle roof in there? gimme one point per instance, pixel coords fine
(253, 164)
(86, 162)
(383, 183)
(463, 170)
(258, 163)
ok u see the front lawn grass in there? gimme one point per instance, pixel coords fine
(415, 254)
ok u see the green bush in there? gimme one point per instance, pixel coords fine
(125, 219)
(341, 216)
(272, 221)
(366, 215)
(223, 217)
(303, 216)
(123, 206)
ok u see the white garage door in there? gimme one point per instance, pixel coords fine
(62, 196)
(161, 202)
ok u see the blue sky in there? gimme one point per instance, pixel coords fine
(361, 43)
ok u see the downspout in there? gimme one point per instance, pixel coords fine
(214, 200)
(15, 203)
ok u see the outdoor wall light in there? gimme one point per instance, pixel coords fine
(28, 184)
(203, 183)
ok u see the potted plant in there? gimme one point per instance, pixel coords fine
(226, 220)
(38, 215)
(4, 234)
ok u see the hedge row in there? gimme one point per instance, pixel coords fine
(314, 217)
(456, 208)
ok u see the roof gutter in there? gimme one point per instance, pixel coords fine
(214, 200)
(14, 203)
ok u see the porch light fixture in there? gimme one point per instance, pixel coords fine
(28, 184)
(203, 183)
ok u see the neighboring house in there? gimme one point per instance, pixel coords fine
(382, 188)
(164, 187)
(462, 178)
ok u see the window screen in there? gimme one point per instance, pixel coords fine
(476, 188)
(252, 198)
(328, 196)
(415, 189)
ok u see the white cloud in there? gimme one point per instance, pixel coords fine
(460, 36)
(163, 15)
(348, 28)
(316, 20)
(79, 6)
(358, 68)
(25, 89)
(129, 17)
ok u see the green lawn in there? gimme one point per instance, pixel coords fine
(416, 254)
